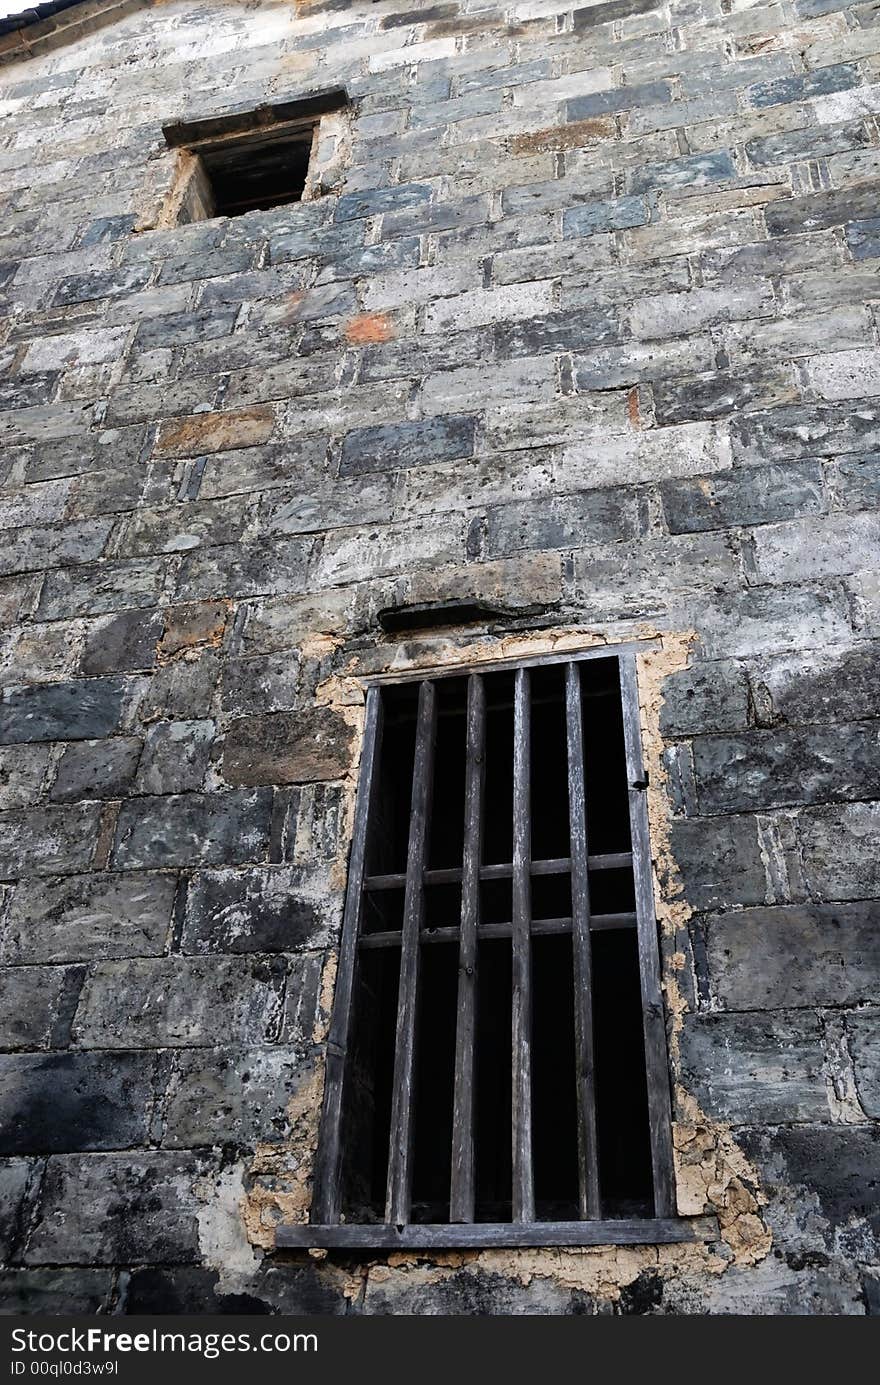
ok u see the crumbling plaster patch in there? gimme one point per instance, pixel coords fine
(712, 1173)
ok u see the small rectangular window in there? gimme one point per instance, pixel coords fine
(496, 1065)
(251, 161)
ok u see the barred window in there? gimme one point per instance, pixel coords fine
(496, 1065)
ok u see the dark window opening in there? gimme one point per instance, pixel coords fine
(254, 174)
(251, 161)
(496, 1070)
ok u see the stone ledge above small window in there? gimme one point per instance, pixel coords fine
(273, 156)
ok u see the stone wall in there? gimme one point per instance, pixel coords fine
(584, 325)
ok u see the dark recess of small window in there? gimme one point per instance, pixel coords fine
(394, 619)
(250, 161)
(256, 174)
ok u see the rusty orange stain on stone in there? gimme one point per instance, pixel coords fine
(215, 432)
(192, 626)
(368, 327)
(291, 307)
(632, 405)
(573, 136)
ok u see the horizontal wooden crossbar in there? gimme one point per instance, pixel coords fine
(560, 865)
(645, 1231)
(487, 931)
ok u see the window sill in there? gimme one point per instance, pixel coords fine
(642, 1232)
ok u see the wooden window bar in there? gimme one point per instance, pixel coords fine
(327, 1227)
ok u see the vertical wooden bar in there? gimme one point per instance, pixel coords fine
(523, 1173)
(588, 1155)
(326, 1198)
(461, 1199)
(397, 1202)
(657, 1065)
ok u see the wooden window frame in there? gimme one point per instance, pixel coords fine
(326, 1229)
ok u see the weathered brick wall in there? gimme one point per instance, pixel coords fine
(586, 326)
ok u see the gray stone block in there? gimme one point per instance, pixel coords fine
(810, 430)
(82, 288)
(14, 1175)
(180, 1002)
(175, 757)
(863, 1032)
(22, 772)
(794, 955)
(191, 1289)
(840, 847)
(96, 769)
(691, 170)
(720, 862)
(650, 575)
(593, 218)
(801, 86)
(802, 550)
(398, 445)
(260, 909)
(378, 201)
(193, 828)
(25, 392)
(44, 841)
(758, 495)
(786, 766)
(117, 1209)
(78, 710)
(50, 546)
(76, 918)
(724, 393)
(314, 822)
(633, 363)
(707, 697)
(96, 591)
(791, 145)
(793, 1283)
(119, 643)
(237, 571)
(618, 99)
(35, 1005)
(598, 516)
(765, 619)
(753, 1069)
(184, 527)
(863, 238)
(223, 1096)
(856, 482)
(818, 686)
(471, 1292)
(50, 1292)
(58, 1102)
(830, 207)
(835, 1168)
(184, 689)
(267, 683)
(305, 1018)
(557, 331)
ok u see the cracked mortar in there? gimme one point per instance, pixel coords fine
(712, 1173)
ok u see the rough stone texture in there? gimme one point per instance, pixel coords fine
(581, 324)
(287, 749)
(58, 1101)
